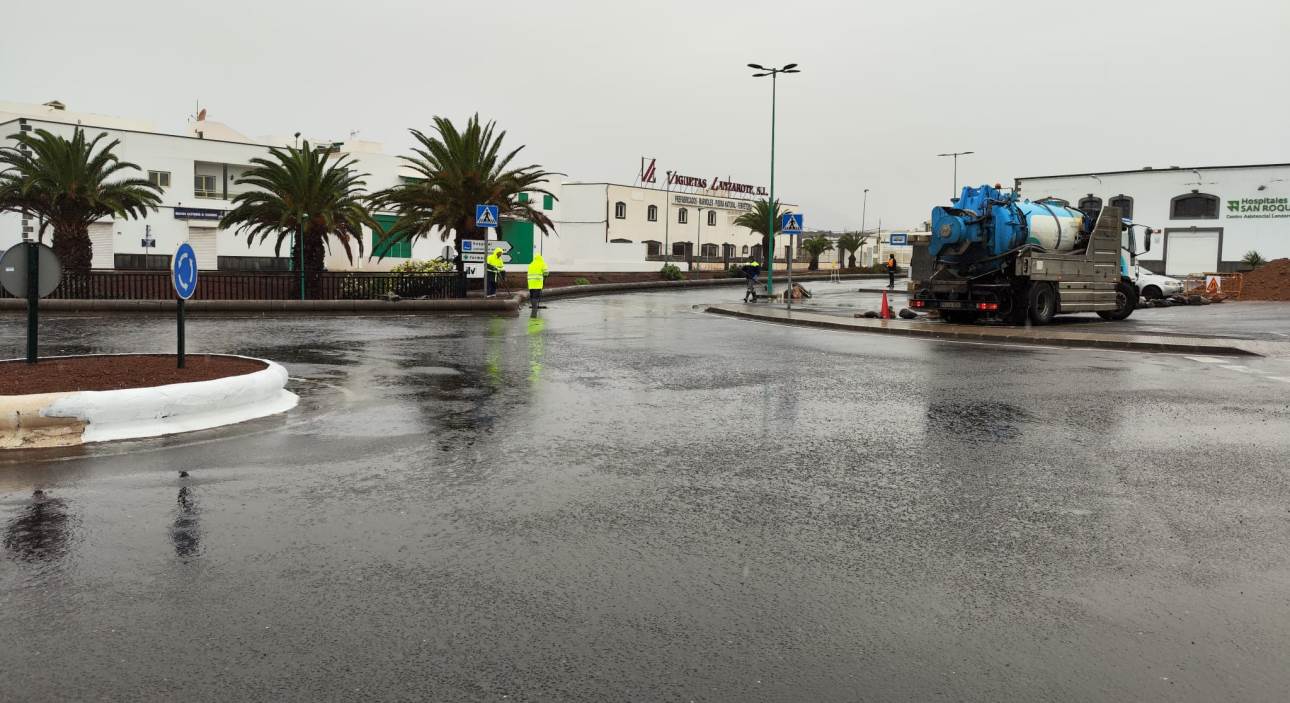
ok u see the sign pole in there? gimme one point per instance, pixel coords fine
(788, 255)
(183, 275)
(33, 300)
(179, 318)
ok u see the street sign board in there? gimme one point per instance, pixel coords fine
(791, 223)
(502, 244)
(183, 271)
(475, 270)
(485, 215)
(473, 258)
(474, 246)
(13, 270)
(147, 243)
(899, 239)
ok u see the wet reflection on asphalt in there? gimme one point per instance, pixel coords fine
(624, 499)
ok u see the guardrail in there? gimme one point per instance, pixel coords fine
(225, 285)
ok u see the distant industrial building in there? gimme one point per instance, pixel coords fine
(1207, 217)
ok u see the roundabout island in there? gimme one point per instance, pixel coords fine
(71, 400)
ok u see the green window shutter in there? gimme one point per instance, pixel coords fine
(548, 202)
(524, 197)
(398, 250)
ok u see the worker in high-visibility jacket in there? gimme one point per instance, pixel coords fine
(494, 269)
(537, 275)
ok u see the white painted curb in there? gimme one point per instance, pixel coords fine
(179, 407)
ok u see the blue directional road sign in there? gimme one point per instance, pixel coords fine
(899, 239)
(791, 223)
(183, 271)
(485, 215)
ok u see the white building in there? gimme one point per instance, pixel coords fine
(197, 173)
(614, 227)
(598, 226)
(1207, 218)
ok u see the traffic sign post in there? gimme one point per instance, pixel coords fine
(485, 215)
(898, 239)
(30, 270)
(183, 274)
(791, 225)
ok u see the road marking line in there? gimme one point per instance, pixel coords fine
(1242, 369)
(1283, 379)
(1204, 359)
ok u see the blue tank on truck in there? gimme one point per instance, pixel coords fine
(986, 222)
(999, 255)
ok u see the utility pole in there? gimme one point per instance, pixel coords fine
(954, 194)
(864, 210)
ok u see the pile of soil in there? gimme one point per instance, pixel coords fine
(1271, 281)
(111, 373)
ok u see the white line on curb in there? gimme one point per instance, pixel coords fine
(1283, 379)
(1204, 359)
(1242, 369)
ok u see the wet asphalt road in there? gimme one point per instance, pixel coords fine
(630, 500)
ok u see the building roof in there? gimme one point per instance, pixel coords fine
(1148, 169)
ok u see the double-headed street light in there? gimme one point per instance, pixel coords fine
(770, 226)
(956, 154)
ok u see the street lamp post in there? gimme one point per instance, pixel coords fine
(770, 225)
(956, 154)
(698, 235)
(864, 210)
(667, 214)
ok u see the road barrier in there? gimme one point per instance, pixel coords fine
(1215, 286)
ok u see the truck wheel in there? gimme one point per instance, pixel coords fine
(1126, 301)
(1041, 302)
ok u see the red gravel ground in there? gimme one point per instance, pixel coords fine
(110, 373)
(1271, 281)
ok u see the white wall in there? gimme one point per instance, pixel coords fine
(1153, 191)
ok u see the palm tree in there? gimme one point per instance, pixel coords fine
(67, 184)
(455, 171)
(302, 194)
(757, 220)
(850, 242)
(816, 246)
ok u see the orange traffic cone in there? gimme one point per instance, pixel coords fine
(886, 309)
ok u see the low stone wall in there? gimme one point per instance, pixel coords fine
(78, 417)
(362, 307)
(475, 303)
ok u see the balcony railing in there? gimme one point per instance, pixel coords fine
(225, 285)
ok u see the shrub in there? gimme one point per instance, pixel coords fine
(581, 282)
(670, 272)
(1253, 259)
(736, 272)
(431, 266)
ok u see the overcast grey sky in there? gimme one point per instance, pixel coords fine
(1045, 88)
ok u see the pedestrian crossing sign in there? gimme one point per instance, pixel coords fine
(485, 215)
(791, 223)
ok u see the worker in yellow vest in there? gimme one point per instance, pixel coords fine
(494, 269)
(537, 275)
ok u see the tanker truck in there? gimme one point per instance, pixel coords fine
(1002, 257)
